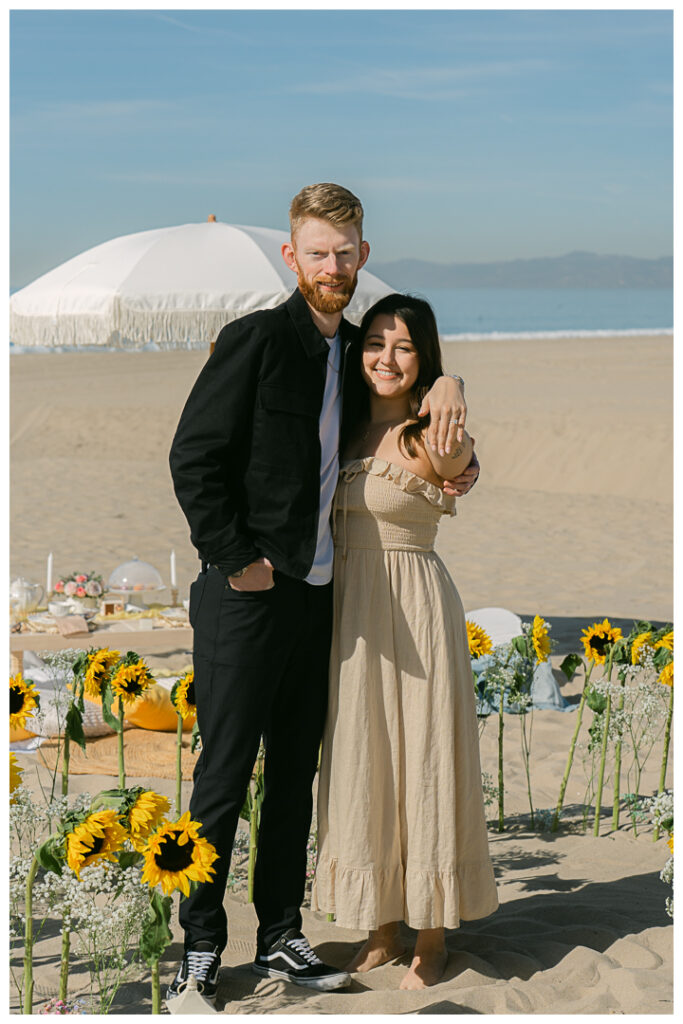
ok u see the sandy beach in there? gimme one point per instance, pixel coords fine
(571, 519)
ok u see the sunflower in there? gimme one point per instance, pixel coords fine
(23, 701)
(597, 638)
(175, 856)
(666, 676)
(540, 638)
(145, 815)
(182, 696)
(479, 641)
(100, 664)
(97, 837)
(129, 681)
(14, 774)
(670, 843)
(666, 641)
(641, 642)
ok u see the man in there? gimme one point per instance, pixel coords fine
(254, 464)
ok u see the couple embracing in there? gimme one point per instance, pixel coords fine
(313, 461)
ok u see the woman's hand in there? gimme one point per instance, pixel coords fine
(460, 485)
(445, 402)
(259, 576)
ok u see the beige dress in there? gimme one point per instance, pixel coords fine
(401, 827)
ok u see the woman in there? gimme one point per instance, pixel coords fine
(401, 826)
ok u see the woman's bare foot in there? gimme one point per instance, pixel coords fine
(429, 960)
(382, 945)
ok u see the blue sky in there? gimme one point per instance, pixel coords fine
(468, 135)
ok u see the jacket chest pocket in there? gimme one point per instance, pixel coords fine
(285, 426)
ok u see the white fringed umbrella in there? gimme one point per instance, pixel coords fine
(171, 287)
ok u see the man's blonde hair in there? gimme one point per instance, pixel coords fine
(325, 201)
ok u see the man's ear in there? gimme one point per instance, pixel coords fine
(289, 256)
(364, 253)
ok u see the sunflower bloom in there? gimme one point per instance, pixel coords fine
(145, 815)
(23, 701)
(175, 856)
(540, 638)
(100, 664)
(97, 837)
(670, 843)
(666, 676)
(15, 772)
(183, 697)
(641, 643)
(597, 638)
(666, 641)
(129, 681)
(478, 639)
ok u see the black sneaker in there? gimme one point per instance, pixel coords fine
(203, 960)
(292, 958)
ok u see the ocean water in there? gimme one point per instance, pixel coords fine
(479, 313)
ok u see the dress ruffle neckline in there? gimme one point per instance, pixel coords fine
(402, 478)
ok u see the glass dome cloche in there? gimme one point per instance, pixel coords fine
(135, 577)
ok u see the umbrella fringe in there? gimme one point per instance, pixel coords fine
(134, 330)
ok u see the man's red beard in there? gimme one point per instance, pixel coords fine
(328, 302)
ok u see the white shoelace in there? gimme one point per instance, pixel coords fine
(302, 947)
(199, 963)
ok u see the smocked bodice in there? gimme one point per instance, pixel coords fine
(379, 505)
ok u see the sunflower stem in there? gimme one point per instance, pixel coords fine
(572, 748)
(64, 968)
(617, 769)
(526, 753)
(603, 750)
(178, 766)
(501, 788)
(122, 770)
(156, 988)
(28, 937)
(665, 754)
(65, 764)
(253, 842)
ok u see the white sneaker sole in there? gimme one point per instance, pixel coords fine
(328, 984)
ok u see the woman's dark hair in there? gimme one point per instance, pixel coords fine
(420, 322)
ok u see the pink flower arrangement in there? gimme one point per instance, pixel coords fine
(80, 584)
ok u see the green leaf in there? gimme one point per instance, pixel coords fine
(520, 645)
(128, 858)
(156, 934)
(570, 664)
(245, 813)
(74, 725)
(596, 702)
(107, 701)
(50, 855)
(196, 738)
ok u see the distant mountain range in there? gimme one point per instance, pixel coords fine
(575, 270)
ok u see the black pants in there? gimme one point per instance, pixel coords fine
(261, 669)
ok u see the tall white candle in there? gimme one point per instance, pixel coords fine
(48, 588)
(174, 582)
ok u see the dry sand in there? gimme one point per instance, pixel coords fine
(572, 518)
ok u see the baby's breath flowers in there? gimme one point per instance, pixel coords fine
(478, 640)
(23, 701)
(641, 643)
